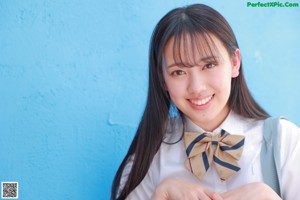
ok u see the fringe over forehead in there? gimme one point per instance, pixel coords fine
(189, 47)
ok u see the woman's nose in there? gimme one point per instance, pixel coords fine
(197, 83)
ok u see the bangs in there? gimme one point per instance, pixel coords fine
(189, 46)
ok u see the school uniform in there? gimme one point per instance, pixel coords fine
(169, 161)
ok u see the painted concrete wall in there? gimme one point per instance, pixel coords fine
(73, 81)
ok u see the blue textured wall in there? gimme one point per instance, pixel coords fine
(73, 81)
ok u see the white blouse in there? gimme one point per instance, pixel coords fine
(169, 160)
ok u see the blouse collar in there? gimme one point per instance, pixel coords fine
(233, 124)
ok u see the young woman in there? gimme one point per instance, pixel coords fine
(198, 99)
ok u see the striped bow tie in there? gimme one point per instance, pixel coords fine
(223, 149)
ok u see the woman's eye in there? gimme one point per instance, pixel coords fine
(178, 73)
(209, 65)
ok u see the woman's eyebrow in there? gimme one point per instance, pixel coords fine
(209, 58)
(203, 59)
(175, 65)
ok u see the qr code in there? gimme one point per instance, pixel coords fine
(9, 190)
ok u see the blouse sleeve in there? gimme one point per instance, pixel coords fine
(125, 174)
(146, 188)
(290, 159)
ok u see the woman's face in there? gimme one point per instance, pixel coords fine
(202, 91)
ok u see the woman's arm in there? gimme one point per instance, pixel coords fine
(290, 165)
(178, 189)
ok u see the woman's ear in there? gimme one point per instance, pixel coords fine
(236, 63)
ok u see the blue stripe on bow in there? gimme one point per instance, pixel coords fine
(205, 161)
(222, 133)
(225, 164)
(234, 147)
(190, 147)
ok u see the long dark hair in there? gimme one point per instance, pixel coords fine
(197, 19)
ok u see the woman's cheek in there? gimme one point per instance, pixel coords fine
(177, 89)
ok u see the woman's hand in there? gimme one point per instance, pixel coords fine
(176, 189)
(251, 191)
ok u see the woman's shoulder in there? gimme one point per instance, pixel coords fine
(289, 134)
(287, 124)
(288, 129)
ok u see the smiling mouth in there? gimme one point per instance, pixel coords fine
(202, 101)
